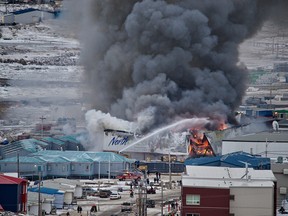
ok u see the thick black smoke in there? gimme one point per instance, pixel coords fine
(152, 62)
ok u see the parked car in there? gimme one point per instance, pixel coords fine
(115, 195)
(105, 193)
(151, 190)
(129, 176)
(87, 191)
(126, 207)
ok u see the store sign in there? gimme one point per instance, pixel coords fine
(117, 141)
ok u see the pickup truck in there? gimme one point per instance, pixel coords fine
(129, 176)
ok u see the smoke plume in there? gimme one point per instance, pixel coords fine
(155, 61)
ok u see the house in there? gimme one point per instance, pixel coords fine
(58, 196)
(13, 196)
(222, 191)
(65, 164)
(68, 190)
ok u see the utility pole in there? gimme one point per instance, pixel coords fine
(145, 203)
(18, 165)
(170, 187)
(162, 198)
(39, 193)
(139, 201)
(266, 147)
(42, 128)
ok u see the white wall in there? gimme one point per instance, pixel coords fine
(252, 201)
(68, 197)
(29, 17)
(8, 19)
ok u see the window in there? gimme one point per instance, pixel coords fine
(72, 167)
(192, 199)
(49, 168)
(193, 214)
(232, 197)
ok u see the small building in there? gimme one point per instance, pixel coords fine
(58, 195)
(68, 190)
(46, 201)
(13, 195)
(222, 191)
(31, 15)
(26, 16)
(267, 144)
(76, 184)
(67, 164)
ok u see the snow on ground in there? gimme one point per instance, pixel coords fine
(40, 67)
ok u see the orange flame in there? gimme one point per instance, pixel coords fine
(199, 145)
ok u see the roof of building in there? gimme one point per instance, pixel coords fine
(221, 183)
(74, 182)
(54, 159)
(281, 136)
(37, 142)
(45, 190)
(24, 159)
(69, 138)
(52, 140)
(228, 173)
(223, 177)
(29, 145)
(82, 156)
(236, 159)
(202, 161)
(10, 180)
(54, 156)
(27, 10)
(58, 185)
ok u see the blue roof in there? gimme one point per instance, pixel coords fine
(81, 156)
(25, 11)
(52, 140)
(236, 159)
(24, 159)
(70, 138)
(45, 190)
(202, 161)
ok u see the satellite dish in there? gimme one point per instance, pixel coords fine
(275, 125)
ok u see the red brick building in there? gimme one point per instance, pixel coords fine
(205, 201)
